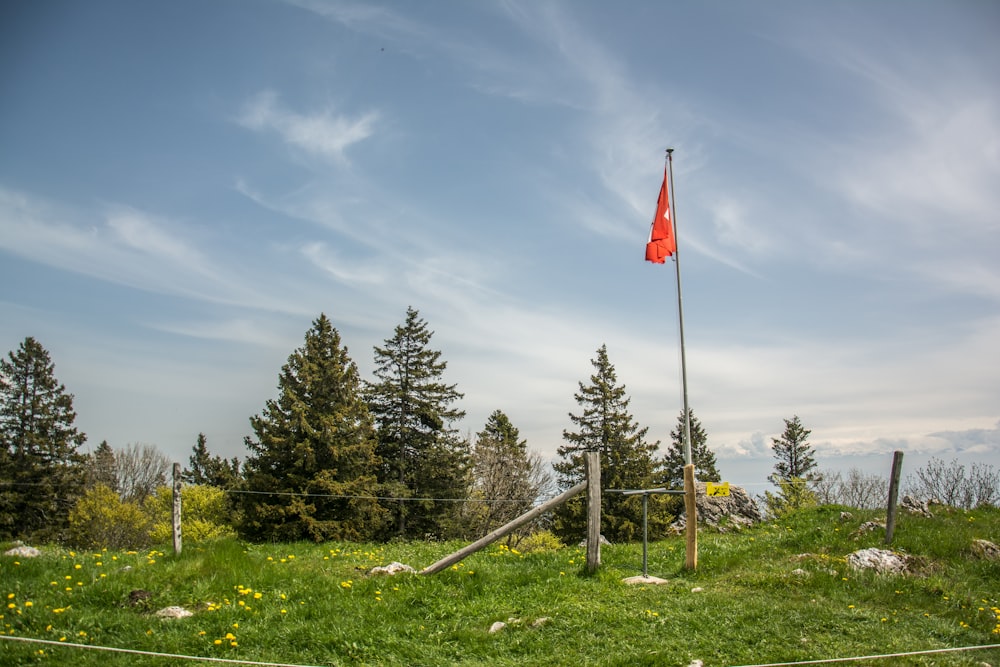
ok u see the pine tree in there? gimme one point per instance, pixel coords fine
(627, 459)
(41, 472)
(311, 471)
(422, 455)
(506, 477)
(211, 470)
(794, 453)
(701, 456)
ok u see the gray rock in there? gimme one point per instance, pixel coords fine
(173, 612)
(23, 552)
(879, 560)
(391, 569)
(914, 506)
(497, 627)
(986, 549)
(868, 527)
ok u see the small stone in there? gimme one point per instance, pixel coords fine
(391, 569)
(697, 589)
(540, 621)
(174, 612)
(846, 516)
(869, 526)
(799, 572)
(697, 663)
(497, 627)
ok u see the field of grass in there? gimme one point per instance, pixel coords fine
(781, 591)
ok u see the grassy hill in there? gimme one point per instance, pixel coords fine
(781, 591)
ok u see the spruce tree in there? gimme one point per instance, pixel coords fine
(311, 470)
(41, 471)
(794, 453)
(627, 460)
(101, 468)
(422, 455)
(211, 470)
(701, 456)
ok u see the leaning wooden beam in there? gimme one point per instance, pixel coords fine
(504, 530)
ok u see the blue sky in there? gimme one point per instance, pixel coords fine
(185, 186)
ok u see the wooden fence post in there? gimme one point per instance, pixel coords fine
(593, 463)
(691, 524)
(177, 508)
(890, 515)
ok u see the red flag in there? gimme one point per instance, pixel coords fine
(662, 243)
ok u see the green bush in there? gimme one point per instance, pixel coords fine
(205, 514)
(793, 494)
(540, 541)
(100, 519)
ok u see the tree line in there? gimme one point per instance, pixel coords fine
(336, 457)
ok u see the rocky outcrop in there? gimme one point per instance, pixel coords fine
(736, 511)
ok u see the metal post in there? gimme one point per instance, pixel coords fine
(645, 535)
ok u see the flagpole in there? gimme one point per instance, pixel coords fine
(690, 504)
(680, 311)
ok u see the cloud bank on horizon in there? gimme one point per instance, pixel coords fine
(183, 188)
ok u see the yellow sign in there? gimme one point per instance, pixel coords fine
(717, 489)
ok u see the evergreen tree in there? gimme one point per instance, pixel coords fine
(701, 456)
(423, 457)
(506, 477)
(794, 453)
(627, 460)
(40, 468)
(311, 471)
(211, 470)
(100, 467)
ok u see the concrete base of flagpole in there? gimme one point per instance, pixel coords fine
(640, 579)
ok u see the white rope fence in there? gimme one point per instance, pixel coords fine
(873, 657)
(153, 654)
(233, 661)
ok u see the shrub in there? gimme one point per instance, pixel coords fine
(793, 494)
(949, 484)
(542, 540)
(101, 519)
(856, 490)
(205, 513)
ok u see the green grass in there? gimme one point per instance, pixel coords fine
(315, 605)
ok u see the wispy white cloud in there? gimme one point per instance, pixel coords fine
(344, 269)
(125, 246)
(244, 331)
(324, 133)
